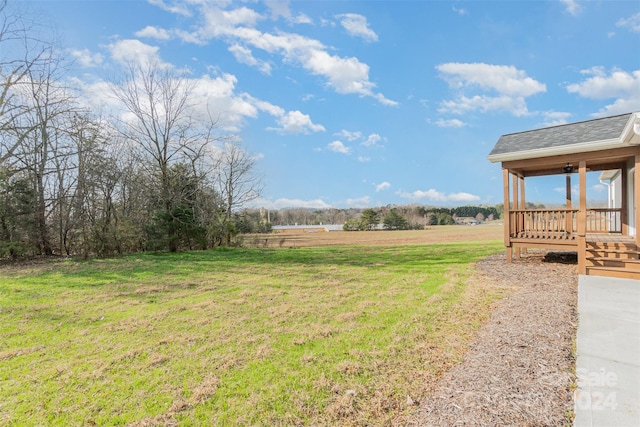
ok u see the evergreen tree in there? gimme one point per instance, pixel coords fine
(369, 219)
(394, 221)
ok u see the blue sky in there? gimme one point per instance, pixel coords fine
(369, 103)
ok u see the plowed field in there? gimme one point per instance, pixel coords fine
(318, 237)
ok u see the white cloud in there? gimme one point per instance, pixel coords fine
(242, 16)
(452, 123)
(516, 106)
(383, 186)
(632, 23)
(571, 6)
(360, 202)
(301, 19)
(130, 51)
(244, 56)
(618, 84)
(348, 135)
(85, 58)
(278, 8)
(555, 118)
(357, 26)
(363, 159)
(265, 106)
(460, 11)
(289, 121)
(345, 75)
(563, 190)
(97, 95)
(372, 140)
(620, 106)
(600, 188)
(510, 85)
(503, 79)
(154, 33)
(297, 122)
(602, 86)
(462, 197)
(438, 196)
(283, 203)
(218, 95)
(385, 101)
(176, 7)
(215, 95)
(338, 147)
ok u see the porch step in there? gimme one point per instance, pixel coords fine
(630, 264)
(614, 259)
(619, 272)
(615, 253)
(609, 246)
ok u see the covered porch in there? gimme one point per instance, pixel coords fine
(604, 237)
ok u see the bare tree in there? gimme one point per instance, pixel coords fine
(237, 183)
(163, 128)
(20, 53)
(42, 149)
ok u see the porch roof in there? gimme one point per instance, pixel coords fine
(580, 137)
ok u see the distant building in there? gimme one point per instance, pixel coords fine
(307, 228)
(467, 220)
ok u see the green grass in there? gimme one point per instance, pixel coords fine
(327, 336)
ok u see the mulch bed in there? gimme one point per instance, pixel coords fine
(520, 369)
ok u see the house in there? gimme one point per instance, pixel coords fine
(605, 239)
(466, 220)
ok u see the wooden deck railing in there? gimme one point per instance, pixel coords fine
(561, 223)
(542, 223)
(604, 220)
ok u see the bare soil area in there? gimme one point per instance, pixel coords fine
(520, 370)
(435, 234)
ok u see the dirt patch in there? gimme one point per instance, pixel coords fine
(519, 371)
(435, 234)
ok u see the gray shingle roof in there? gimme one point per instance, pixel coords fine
(564, 135)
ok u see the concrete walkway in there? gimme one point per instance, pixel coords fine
(608, 353)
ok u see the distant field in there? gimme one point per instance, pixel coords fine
(435, 234)
(333, 335)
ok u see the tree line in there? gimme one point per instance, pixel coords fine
(390, 217)
(153, 175)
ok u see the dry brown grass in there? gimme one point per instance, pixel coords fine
(435, 234)
(520, 367)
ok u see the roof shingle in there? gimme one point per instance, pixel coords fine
(563, 135)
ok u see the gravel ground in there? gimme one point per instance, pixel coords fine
(520, 370)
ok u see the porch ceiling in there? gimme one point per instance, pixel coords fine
(554, 165)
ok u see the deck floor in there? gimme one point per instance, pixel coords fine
(610, 238)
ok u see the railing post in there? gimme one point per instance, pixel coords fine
(624, 217)
(569, 218)
(515, 207)
(507, 214)
(636, 197)
(523, 207)
(582, 220)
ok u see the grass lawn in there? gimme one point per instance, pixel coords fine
(313, 335)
